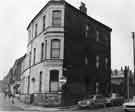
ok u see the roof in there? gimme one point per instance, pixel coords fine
(64, 2)
(51, 1)
(94, 20)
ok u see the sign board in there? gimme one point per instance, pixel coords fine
(63, 80)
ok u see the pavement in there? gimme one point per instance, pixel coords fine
(74, 108)
(6, 105)
(30, 107)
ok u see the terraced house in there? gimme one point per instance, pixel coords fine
(65, 43)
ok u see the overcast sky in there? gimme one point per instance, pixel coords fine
(15, 16)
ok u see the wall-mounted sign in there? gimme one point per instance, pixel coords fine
(63, 80)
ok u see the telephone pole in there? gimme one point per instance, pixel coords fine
(133, 36)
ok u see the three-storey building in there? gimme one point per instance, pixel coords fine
(65, 42)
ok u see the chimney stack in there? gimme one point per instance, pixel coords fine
(83, 8)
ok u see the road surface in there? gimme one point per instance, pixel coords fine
(6, 105)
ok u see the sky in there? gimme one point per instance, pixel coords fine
(15, 16)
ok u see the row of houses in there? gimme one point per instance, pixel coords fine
(68, 54)
(13, 78)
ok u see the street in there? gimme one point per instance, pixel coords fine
(6, 105)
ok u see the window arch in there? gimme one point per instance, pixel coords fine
(54, 79)
(55, 48)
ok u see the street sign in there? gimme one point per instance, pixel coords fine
(63, 80)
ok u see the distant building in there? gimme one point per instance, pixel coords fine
(16, 77)
(3, 86)
(122, 82)
(118, 81)
(66, 42)
(8, 80)
(13, 78)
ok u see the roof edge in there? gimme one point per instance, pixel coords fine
(47, 4)
(108, 28)
(63, 1)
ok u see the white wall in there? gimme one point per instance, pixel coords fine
(48, 13)
(47, 65)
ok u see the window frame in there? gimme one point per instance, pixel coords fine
(34, 56)
(42, 51)
(40, 81)
(86, 31)
(97, 35)
(56, 21)
(36, 27)
(30, 58)
(58, 49)
(86, 60)
(28, 89)
(56, 72)
(45, 49)
(106, 62)
(97, 61)
(29, 34)
(44, 22)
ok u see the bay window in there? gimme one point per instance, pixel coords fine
(55, 48)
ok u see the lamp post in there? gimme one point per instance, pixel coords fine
(133, 36)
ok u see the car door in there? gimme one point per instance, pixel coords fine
(100, 99)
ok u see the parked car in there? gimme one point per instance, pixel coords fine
(92, 101)
(129, 106)
(115, 99)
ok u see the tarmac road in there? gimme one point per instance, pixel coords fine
(6, 105)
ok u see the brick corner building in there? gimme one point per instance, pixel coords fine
(65, 42)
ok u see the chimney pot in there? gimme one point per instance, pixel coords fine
(83, 8)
